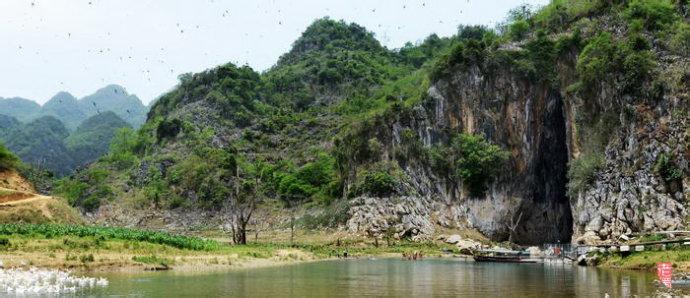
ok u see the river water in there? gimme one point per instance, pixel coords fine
(388, 278)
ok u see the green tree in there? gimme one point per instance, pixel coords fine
(8, 160)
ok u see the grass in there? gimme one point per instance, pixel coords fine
(646, 260)
(81, 247)
(153, 260)
(6, 192)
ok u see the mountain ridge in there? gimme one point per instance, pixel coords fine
(72, 111)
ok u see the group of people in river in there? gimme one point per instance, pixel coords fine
(416, 255)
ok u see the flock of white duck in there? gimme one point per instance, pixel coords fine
(45, 281)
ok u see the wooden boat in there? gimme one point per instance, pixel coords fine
(503, 256)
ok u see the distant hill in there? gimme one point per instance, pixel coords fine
(40, 143)
(47, 144)
(116, 99)
(65, 107)
(7, 123)
(72, 111)
(92, 137)
(20, 108)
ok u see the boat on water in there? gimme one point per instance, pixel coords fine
(503, 256)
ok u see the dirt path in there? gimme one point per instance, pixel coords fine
(31, 207)
(14, 197)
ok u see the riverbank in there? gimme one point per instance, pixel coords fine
(647, 260)
(114, 249)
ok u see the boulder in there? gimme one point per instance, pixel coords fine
(468, 245)
(452, 239)
(534, 251)
(589, 238)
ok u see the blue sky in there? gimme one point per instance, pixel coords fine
(81, 45)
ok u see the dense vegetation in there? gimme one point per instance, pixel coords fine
(92, 138)
(106, 233)
(8, 160)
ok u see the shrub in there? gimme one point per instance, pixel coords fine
(582, 172)
(168, 129)
(71, 189)
(667, 169)
(465, 53)
(559, 13)
(379, 183)
(656, 14)
(87, 258)
(469, 158)
(630, 63)
(518, 30)
(7, 159)
(680, 41)
(477, 161)
(595, 60)
(292, 188)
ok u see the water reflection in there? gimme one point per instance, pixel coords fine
(392, 278)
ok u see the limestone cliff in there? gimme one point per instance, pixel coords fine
(592, 158)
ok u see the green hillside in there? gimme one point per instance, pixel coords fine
(486, 125)
(92, 138)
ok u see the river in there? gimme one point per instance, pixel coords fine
(388, 278)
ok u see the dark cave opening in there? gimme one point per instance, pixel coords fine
(547, 216)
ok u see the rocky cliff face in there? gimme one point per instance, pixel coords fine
(642, 183)
(528, 120)
(632, 193)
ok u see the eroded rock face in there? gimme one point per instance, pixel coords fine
(544, 129)
(525, 119)
(629, 195)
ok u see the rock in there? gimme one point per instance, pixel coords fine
(589, 238)
(592, 260)
(468, 245)
(535, 251)
(452, 239)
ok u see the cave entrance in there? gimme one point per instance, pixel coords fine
(546, 214)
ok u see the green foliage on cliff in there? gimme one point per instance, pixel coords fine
(604, 59)
(469, 158)
(475, 161)
(667, 168)
(680, 39)
(378, 183)
(8, 160)
(654, 14)
(582, 172)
